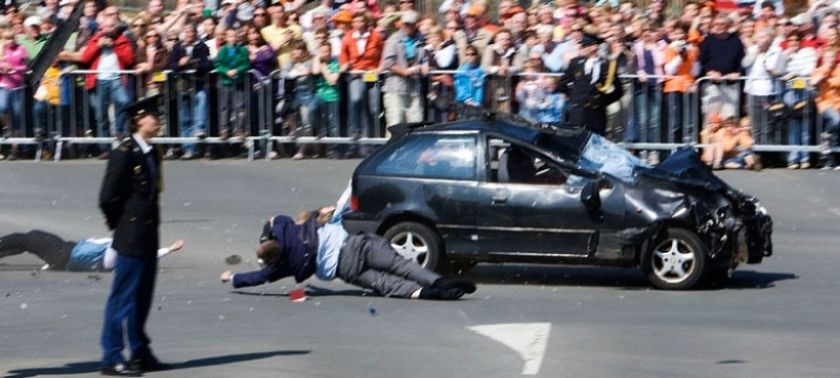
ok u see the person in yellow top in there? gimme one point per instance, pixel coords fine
(46, 102)
(280, 34)
(681, 66)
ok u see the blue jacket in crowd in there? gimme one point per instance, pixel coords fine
(469, 84)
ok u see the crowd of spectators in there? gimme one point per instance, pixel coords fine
(764, 66)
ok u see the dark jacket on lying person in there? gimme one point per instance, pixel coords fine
(299, 244)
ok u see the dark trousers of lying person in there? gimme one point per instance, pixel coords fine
(51, 248)
(327, 251)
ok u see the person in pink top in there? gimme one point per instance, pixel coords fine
(12, 69)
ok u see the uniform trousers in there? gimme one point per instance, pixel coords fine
(129, 303)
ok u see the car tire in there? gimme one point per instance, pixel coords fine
(676, 261)
(416, 242)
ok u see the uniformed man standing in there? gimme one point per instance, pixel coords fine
(129, 201)
(590, 83)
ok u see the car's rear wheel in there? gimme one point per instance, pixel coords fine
(677, 260)
(416, 242)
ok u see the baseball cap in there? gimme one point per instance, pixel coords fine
(409, 17)
(32, 21)
(343, 16)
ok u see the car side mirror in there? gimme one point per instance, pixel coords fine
(591, 197)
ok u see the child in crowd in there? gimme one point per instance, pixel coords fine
(469, 81)
(327, 71)
(300, 72)
(530, 92)
(232, 64)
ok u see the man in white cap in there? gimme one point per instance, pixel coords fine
(32, 40)
(404, 60)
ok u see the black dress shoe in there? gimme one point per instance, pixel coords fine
(120, 370)
(148, 364)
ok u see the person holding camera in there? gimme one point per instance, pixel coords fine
(681, 68)
(107, 52)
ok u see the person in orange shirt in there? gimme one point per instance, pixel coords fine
(361, 50)
(681, 66)
(732, 146)
(827, 80)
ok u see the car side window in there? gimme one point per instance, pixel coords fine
(512, 163)
(432, 156)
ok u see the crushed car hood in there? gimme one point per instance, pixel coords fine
(684, 167)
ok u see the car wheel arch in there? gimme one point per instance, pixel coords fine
(397, 218)
(685, 223)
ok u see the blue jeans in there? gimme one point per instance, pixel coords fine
(647, 108)
(329, 119)
(307, 104)
(676, 113)
(130, 301)
(799, 126)
(108, 92)
(232, 107)
(193, 116)
(11, 106)
(363, 108)
(831, 134)
(328, 125)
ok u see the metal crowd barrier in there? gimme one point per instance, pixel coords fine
(269, 117)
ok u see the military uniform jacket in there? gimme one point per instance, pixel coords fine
(129, 198)
(588, 104)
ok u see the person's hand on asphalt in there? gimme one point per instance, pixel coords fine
(176, 246)
(226, 276)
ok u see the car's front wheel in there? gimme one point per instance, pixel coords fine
(676, 261)
(416, 242)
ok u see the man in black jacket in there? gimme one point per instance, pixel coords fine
(129, 202)
(721, 55)
(190, 60)
(591, 85)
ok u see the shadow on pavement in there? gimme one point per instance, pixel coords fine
(619, 278)
(552, 275)
(315, 291)
(756, 280)
(94, 366)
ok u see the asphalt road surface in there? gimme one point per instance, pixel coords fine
(777, 319)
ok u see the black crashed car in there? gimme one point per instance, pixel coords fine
(500, 189)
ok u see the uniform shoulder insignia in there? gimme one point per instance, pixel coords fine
(124, 144)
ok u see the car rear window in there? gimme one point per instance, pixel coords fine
(431, 156)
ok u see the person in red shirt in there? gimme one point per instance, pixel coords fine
(107, 51)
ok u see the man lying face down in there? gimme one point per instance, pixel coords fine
(316, 243)
(89, 255)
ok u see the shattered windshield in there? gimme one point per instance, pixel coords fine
(599, 154)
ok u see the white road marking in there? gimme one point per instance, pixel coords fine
(835, 210)
(529, 340)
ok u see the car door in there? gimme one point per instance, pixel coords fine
(436, 174)
(530, 207)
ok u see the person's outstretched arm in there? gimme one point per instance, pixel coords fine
(109, 262)
(270, 273)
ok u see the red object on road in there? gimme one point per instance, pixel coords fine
(297, 295)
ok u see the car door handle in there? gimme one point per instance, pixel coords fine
(500, 198)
